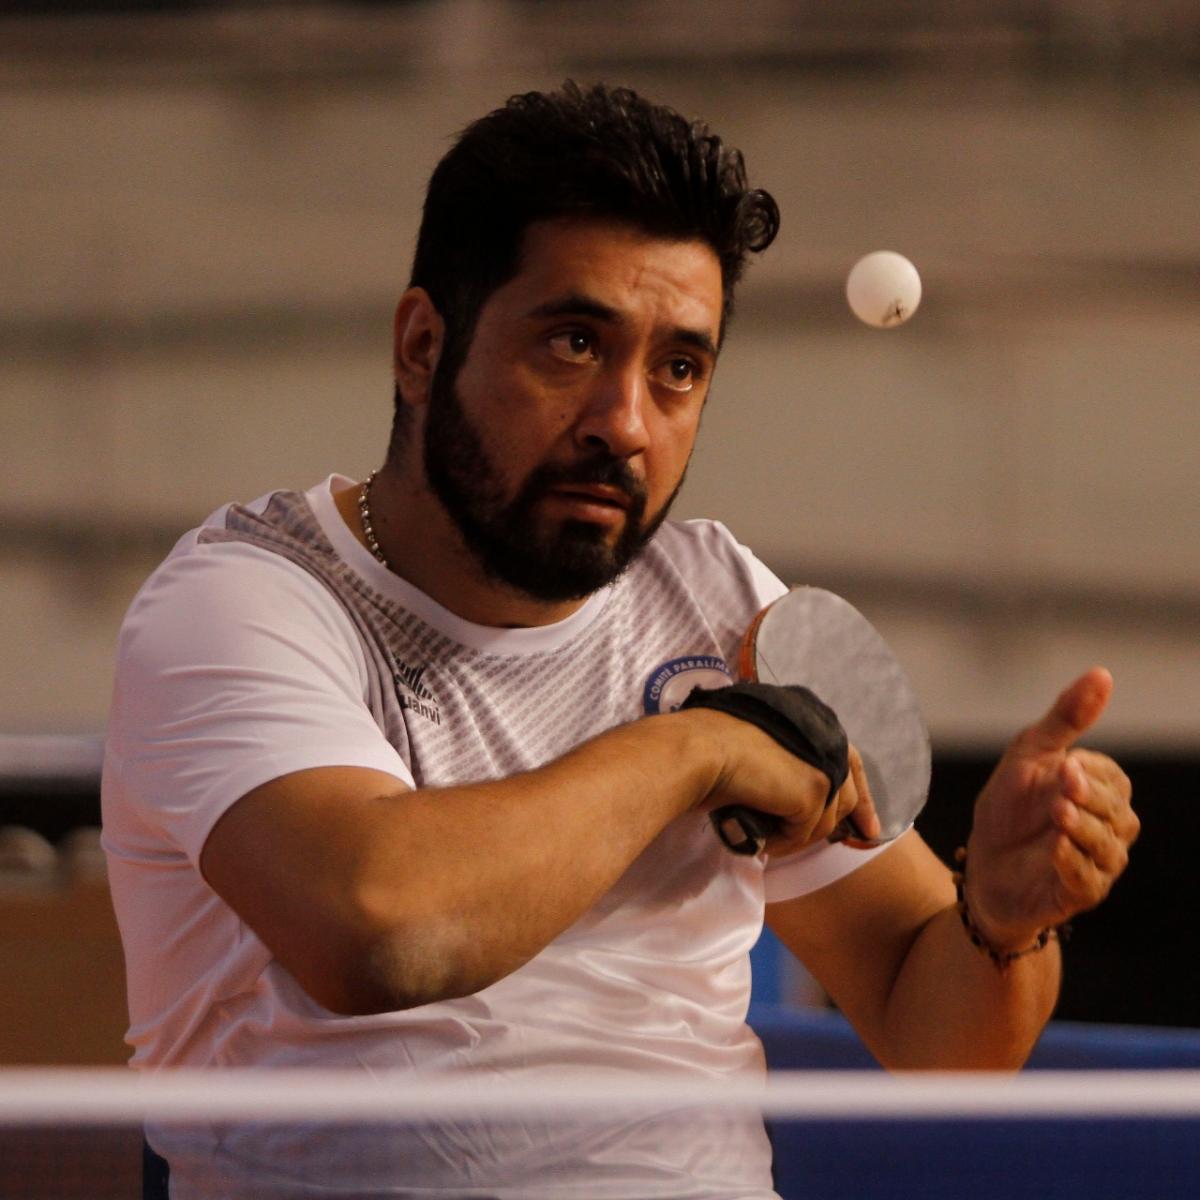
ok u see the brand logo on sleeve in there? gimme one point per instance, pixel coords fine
(668, 685)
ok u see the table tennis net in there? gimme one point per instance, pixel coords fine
(834, 1135)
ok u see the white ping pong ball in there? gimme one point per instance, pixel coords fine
(883, 289)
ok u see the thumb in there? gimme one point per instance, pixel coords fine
(1077, 708)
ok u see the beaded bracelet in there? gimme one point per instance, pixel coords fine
(1000, 957)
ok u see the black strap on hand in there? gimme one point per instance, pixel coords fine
(800, 722)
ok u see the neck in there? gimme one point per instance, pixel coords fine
(422, 545)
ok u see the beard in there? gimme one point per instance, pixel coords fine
(548, 561)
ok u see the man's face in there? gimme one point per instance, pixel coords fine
(559, 446)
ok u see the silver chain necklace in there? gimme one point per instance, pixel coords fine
(364, 516)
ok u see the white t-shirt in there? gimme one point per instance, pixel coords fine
(271, 641)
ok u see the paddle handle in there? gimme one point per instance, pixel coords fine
(743, 830)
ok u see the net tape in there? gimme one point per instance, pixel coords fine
(107, 1096)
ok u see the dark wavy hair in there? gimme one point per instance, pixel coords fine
(600, 152)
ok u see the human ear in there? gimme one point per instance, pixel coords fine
(419, 335)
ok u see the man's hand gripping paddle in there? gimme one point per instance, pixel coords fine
(812, 639)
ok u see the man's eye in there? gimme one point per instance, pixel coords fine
(573, 345)
(679, 374)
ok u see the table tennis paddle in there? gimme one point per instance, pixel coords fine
(816, 639)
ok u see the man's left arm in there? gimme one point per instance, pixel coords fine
(1051, 832)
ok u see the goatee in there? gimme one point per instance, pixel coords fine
(552, 562)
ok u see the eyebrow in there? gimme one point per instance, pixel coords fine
(576, 304)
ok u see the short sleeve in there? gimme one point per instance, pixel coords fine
(812, 868)
(234, 667)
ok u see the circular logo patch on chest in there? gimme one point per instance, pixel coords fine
(668, 685)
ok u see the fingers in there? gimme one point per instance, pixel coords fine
(1095, 840)
(1082, 880)
(813, 824)
(817, 824)
(853, 797)
(1054, 823)
(1077, 708)
(861, 821)
(1093, 808)
(1093, 782)
(761, 774)
(1093, 812)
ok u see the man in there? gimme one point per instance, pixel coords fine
(387, 787)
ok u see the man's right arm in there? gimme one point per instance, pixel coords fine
(239, 676)
(377, 898)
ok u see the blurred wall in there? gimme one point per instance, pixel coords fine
(206, 219)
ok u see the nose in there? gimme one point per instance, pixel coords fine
(613, 418)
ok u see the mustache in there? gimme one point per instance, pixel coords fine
(604, 469)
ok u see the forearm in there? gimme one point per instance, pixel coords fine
(448, 924)
(1051, 832)
(887, 943)
(378, 899)
(952, 1007)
